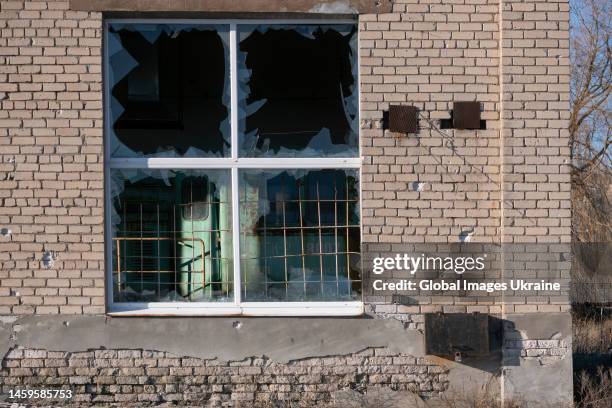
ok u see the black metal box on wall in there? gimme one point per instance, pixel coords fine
(403, 119)
(452, 333)
(466, 115)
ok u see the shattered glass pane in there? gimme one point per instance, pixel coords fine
(170, 97)
(171, 235)
(299, 235)
(298, 91)
(169, 90)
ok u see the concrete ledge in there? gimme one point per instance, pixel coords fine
(243, 6)
(280, 339)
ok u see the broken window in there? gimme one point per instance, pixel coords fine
(169, 90)
(172, 238)
(189, 189)
(298, 93)
(299, 235)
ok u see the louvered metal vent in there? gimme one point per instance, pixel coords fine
(403, 119)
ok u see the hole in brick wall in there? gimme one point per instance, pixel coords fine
(466, 235)
(417, 186)
(403, 300)
(385, 120)
(448, 123)
(48, 259)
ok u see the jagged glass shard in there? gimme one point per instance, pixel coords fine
(299, 235)
(298, 91)
(169, 90)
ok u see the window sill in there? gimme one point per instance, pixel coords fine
(295, 309)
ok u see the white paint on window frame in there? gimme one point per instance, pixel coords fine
(233, 163)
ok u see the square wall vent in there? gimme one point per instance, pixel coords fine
(466, 115)
(403, 119)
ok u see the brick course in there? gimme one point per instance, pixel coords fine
(51, 158)
(143, 377)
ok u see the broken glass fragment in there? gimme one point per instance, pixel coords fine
(298, 91)
(169, 90)
(300, 236)
(171, 235)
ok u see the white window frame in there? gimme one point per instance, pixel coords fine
(232, 163)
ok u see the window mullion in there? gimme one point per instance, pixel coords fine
(234, 89)
(234, 168)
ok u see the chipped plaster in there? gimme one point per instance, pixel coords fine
(281, 339)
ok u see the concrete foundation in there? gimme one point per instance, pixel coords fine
(537, 364)
(228, 362)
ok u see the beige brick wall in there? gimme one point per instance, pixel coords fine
(426, 53)
(535, 137)
(118, 376)
(535, 74)
(507, 184)
(429, 54)
(51, 159)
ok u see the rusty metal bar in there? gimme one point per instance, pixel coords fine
(285, 240)
(348, 259)
(336, 237)
(192, 239)
(320, 236)
(302, 236)
(118, 266)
